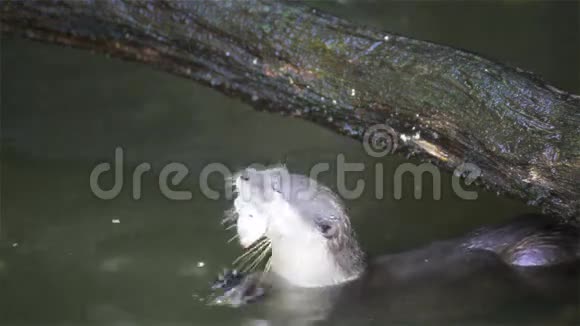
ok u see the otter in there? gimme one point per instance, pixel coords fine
(304, 228)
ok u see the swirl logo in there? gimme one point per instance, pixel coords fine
(380, 140)
(468, 170)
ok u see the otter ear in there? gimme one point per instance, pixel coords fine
(328, 230)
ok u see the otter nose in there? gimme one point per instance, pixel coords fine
(245, 176)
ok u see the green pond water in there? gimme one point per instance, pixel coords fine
(70, 258)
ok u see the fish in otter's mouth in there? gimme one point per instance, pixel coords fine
(298, 226)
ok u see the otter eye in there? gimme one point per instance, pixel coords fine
(327, 230)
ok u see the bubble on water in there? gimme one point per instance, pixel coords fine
(114, 264)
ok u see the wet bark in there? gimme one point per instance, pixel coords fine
(441, 104)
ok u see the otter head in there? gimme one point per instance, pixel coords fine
(312, 242)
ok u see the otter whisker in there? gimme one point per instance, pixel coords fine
(260, 258)
(228, 219)
(268, 265)
(267, 268)
(234, 238)
(253, 251)
(228, 222)
(229, 227)
(246, 256)
(250, 259)
(259, 242)
(231, 215)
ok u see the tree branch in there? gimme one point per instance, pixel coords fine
(445, 105)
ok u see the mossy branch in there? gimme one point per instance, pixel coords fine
(287, 58)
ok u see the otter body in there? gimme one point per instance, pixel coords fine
(529, 240)
(315, 257)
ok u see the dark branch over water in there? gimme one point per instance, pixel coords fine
(523, 133)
